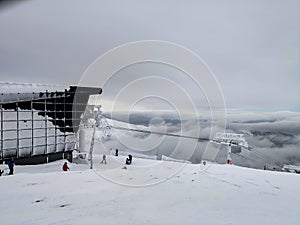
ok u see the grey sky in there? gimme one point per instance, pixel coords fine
(252, 46)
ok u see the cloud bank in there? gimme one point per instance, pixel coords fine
(274, 137)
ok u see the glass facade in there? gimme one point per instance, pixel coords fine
(41, 123)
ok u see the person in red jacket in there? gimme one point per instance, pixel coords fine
(65, 167)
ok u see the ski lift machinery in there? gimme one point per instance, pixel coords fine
(234, 142)
(98, 124)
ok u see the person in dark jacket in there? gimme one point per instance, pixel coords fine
(65, 167)
(11, 165)
(103, 159)
(129, 160)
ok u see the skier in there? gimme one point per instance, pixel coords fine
(65, 167)
(103, 159)
(117, 152)
(11, 165)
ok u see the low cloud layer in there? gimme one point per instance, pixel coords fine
(274, 137)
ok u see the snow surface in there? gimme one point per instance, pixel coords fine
(198, 194)
(12, 87)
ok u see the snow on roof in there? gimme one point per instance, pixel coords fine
(10, 87)
(10, 92)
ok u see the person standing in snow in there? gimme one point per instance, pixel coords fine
(103, 159)
(129, 160)
(65, 167)
(117, 152)
(11, 165)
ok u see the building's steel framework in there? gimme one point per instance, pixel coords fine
(41, 124)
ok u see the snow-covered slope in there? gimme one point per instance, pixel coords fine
(198, 194)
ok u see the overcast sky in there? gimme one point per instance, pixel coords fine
(253, 47)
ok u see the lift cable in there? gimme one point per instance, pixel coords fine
(269, 162)
(190, 137)
(161, 133)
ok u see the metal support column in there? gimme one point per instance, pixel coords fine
(92, 147)
(229, 159)
(55, 128)
(65, 96)
(32, 129)
(46, 118)
(2, 137)
(18, 128)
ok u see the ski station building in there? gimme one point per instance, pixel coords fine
(38, 124)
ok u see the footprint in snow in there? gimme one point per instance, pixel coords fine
(32, 184)
(39, 200)
(64, 205)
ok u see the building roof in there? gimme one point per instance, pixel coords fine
(14, 92)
